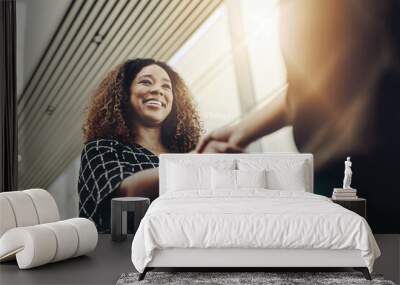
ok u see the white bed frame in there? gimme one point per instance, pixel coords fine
(246, 258)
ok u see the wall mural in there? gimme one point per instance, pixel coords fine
(123, 81)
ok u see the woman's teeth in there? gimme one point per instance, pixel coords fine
(153, 103)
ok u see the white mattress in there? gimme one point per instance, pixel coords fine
(251, 219)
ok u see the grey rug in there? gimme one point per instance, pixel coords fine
(273, 278)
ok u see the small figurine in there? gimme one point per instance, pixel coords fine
(347, 174)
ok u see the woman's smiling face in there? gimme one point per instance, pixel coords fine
(151, 95)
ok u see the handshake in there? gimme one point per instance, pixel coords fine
(258, 123)
(226, 139)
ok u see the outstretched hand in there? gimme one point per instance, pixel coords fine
(218, 141)
(214, 146)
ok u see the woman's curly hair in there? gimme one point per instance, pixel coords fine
(110, 113)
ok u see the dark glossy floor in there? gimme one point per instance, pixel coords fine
(110, 259)
(102, 266)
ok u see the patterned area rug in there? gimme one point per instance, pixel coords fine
(273, 278)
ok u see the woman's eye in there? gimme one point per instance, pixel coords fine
(166, 86)
(145, 82)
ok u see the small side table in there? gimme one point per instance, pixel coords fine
(119, 209)
(358, 205)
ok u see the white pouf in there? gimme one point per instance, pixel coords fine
(31, 232)
(7, 220)
(87, 234)
(23, 208)
(46, 207)
(66, 237)
(37, 245)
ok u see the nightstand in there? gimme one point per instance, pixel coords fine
(119, 208)
(358, 205)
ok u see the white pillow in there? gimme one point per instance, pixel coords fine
(290, 179)
(189, 175)
(223, 179)
(282, 174)
(182, 178)
(251, 178)
(235, 179)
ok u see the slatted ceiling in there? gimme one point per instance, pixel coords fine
(63, 76)
(75, 55)
(159, 28)
(178, 33)
(74, 64)
(185, 33)
(187, 14)
(58, 76)
(43, 79)
(47, 56)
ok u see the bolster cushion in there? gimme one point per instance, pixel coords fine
(40, 244)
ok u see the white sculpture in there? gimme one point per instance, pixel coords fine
(347, 174)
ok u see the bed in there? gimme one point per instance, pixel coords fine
(247, 210)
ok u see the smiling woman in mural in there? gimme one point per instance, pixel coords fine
(140, 110)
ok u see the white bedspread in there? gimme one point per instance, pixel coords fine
(250, 219)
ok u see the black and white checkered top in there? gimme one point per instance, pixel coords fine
(104, 164)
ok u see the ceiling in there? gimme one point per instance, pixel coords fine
(93, 36)
(37, 21)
